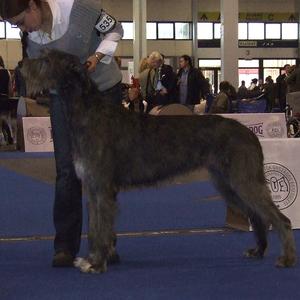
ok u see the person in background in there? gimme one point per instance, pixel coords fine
(191, 84)
(144, 69)
(242, 91)
(84, 29)
(222, 103)
(254, 89)
(161, 82)
(269, 92)
(281, 87)
(293, 80)
(19, 82)
(209, 85)
(5, 93)
(5, 80)
(260, 85)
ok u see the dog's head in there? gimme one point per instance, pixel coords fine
(53, 70)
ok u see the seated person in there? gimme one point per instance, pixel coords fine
(222, 103)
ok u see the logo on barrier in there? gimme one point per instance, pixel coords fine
(275, 130)
(257, 129)
(36, 135)
(282, 184)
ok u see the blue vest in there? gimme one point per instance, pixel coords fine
(82, 40)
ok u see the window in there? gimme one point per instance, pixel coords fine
(12, 31)
(278, 63)
(182, 31)
(128, 30)
(217, 30)
(166, 30)
(243, 31)
(2, 30)
(247, 74)
(289, 31)
(205, 31)
(209, 63)
(256, 31)
(151, 31)
(273, 31)
(272, 66)
(253, 63)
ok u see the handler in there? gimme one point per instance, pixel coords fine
(82, 28)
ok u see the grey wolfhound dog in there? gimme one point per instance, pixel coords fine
(115, 149)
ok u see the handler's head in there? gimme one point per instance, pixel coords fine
(26, 14)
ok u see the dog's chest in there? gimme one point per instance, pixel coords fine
(79, 168)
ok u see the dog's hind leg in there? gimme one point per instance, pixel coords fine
(232, 200)
(256, 196)
(102, 209)
(260, 230)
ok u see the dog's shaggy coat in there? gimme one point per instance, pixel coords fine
(115, 149)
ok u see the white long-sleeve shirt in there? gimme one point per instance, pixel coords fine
(61, 10)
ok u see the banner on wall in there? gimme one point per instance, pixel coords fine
(269, 125)
(282, 171)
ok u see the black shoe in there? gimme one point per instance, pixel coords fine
(63, 259)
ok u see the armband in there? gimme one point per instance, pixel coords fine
(105, 23)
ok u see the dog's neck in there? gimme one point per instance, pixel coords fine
(79, 97)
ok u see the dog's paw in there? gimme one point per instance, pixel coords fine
(286, 261)
(254, 253)
(86, 267)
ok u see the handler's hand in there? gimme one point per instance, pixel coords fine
(93, 60)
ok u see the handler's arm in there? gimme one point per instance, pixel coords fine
(107, 46)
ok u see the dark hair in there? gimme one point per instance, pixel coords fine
(12, 8)
(2, 62)
(224, 86)
(269, 79)
(188, 59)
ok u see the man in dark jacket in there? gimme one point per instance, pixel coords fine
(191, 84)
(281, 87)
(293, 80)
(269, 91)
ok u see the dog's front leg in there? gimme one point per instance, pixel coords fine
(101, 208)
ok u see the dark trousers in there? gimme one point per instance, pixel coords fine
(282, 104)
(67, 212)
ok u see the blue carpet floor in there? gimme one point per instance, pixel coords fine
(20, 155)
(26, 207)
(206, 266)
(175, 268)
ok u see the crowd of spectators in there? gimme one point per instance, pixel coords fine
(159, 84)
